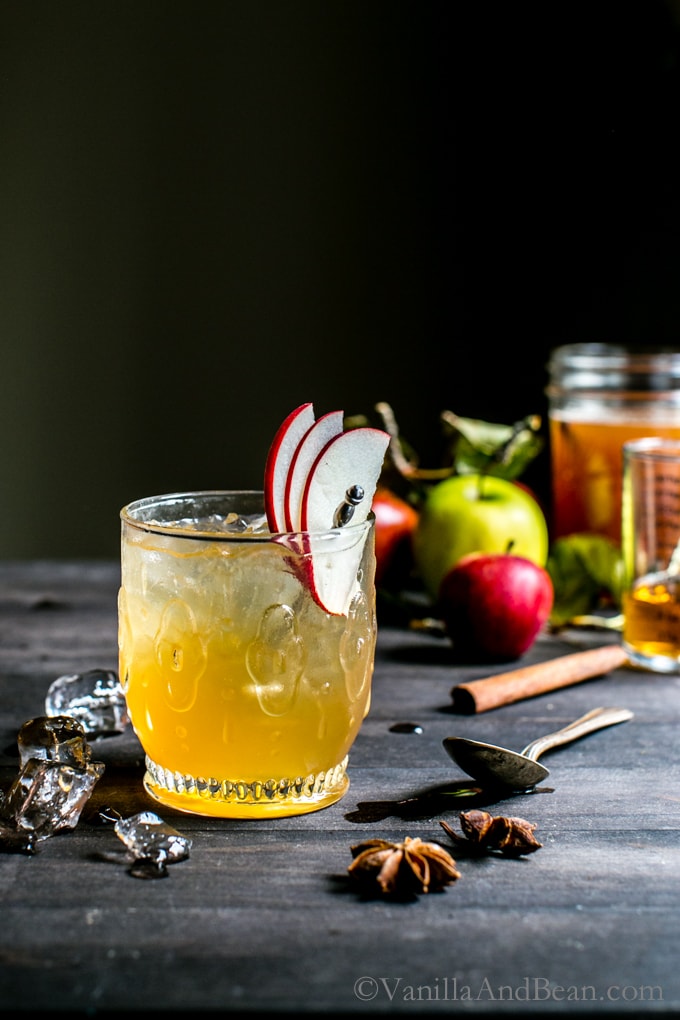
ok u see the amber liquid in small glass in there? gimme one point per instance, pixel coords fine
(652, 617)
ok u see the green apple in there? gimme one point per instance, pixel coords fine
(475, 513)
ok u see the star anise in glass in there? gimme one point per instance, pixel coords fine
(407, 868)
(512, 837)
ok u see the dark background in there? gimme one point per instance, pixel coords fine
(213, 211)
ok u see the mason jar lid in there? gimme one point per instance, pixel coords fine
(602, 367)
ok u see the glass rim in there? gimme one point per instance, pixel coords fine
(652, 446)
(171, 528)
(610, 372)
(602, 354)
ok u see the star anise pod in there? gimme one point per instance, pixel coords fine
(410, 867)
(512, 837)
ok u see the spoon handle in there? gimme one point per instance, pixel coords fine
(596, 719)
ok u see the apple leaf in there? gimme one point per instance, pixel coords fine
(583, 568)
(471, 446)
(481, 447)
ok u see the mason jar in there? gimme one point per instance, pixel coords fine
(599, 396)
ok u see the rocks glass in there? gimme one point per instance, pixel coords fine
(245, 693)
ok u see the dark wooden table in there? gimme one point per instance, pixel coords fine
(261, 917)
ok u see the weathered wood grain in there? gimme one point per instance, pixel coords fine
(262, 917)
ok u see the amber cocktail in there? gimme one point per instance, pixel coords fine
(246, 694)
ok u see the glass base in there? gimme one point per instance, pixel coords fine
(654, 663)
(239, 799)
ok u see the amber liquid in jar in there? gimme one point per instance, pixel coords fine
(600, 396)
(587, 464)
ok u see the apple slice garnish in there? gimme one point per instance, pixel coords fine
(309, 448)
(337, 495)
(279, 458)
(320, 481)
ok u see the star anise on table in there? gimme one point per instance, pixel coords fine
(407, 868)
(512, 837)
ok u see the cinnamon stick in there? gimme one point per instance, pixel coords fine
(528, 681)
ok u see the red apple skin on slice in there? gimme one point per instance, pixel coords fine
(309, 448)
(353, 458)
(281, 453)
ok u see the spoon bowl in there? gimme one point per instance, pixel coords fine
(493, 765)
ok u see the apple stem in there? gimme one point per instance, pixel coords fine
(481, 480)
(406, 468)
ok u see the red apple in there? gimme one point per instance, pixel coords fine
(395, 522)
(493, 605)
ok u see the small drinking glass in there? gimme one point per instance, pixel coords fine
(245, 692)
(651, 553)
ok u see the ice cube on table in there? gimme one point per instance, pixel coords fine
(16, 841)
(54, 738)
(47, 796)
(148, 837)
(95, 698)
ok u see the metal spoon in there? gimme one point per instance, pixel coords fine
(491, 764)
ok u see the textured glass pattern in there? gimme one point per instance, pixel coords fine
(245, 693)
